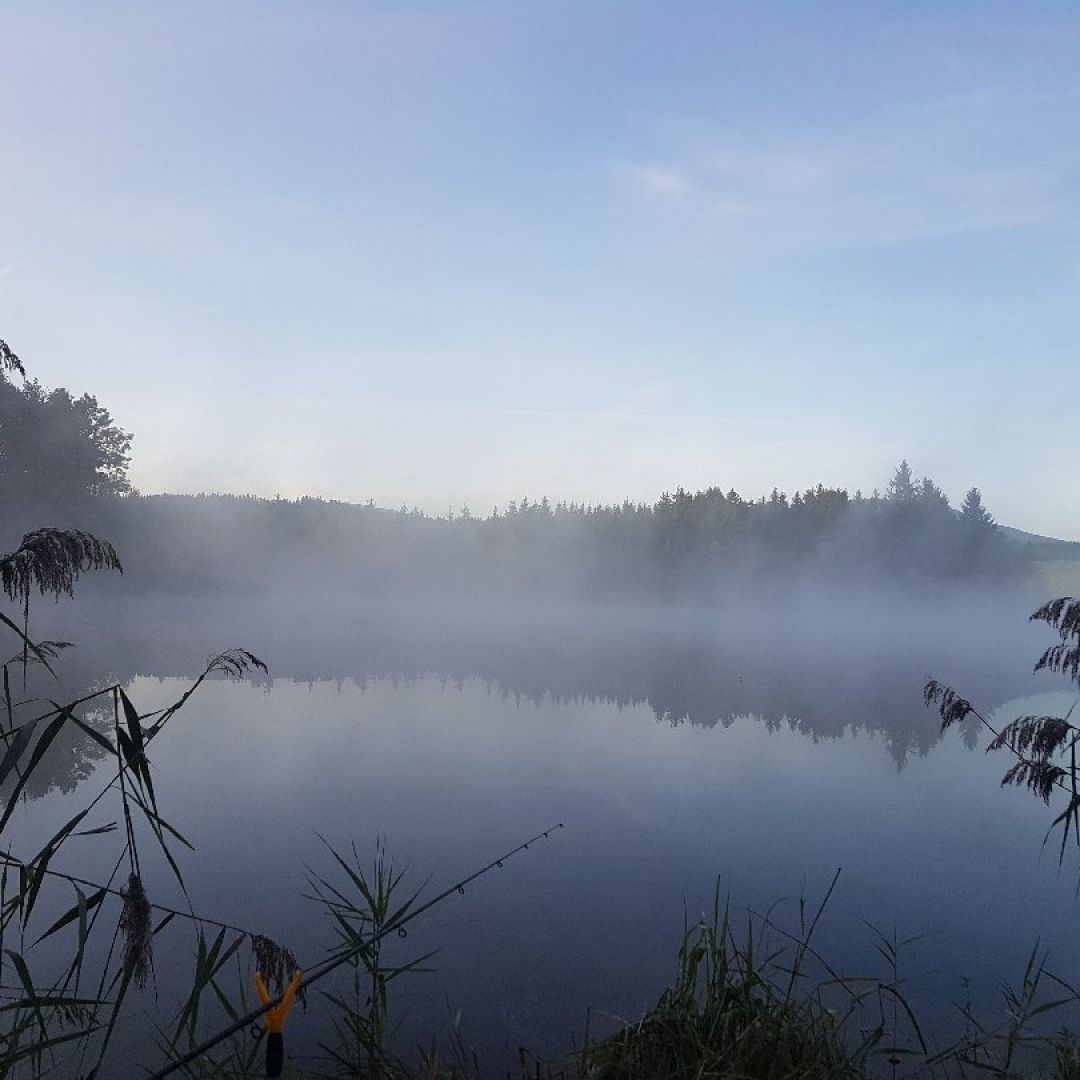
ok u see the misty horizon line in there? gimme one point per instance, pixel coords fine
(526, 501)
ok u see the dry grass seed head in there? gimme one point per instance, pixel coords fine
(950, 705)
(52, 560)
(138, 935)
(275, 964)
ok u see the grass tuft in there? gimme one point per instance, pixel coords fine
(738, 1010)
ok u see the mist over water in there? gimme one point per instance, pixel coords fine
(759, 746)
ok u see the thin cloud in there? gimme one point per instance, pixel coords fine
(837, 192)
(657, 181)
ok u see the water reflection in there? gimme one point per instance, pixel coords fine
(675, 748)
(819, 672)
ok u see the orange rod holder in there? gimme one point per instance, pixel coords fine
(275, 1021)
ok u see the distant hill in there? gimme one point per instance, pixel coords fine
(1054, 548)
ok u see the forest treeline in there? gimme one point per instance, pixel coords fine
(64, 462)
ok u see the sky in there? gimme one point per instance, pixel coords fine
(446, 254)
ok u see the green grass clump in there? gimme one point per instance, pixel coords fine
(736, 1012)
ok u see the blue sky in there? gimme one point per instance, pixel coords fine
(456, 253)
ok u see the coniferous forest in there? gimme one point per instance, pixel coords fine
(64, 459)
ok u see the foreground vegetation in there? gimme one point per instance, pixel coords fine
(767, 1005)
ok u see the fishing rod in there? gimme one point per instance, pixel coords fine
(335, 962)
(7, 859)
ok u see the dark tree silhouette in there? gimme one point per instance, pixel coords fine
(55, 447)
(902, 487)
(9, 361)
(974, 516)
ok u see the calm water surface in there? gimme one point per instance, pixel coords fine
(677, 750)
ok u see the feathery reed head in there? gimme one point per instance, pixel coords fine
(272, 961)
(1063, 614)
(52, 560)
(950, 705)
(274, 964)
(235, 663)
(136, 928)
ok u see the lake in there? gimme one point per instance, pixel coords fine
(762, 749)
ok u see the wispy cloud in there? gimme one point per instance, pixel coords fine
(657, 181)
(834, 191)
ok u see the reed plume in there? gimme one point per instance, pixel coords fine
(52, 560)
(274, 963)
(136, 928)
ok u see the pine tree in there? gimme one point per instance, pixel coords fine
(902, 486)
(974, 515)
